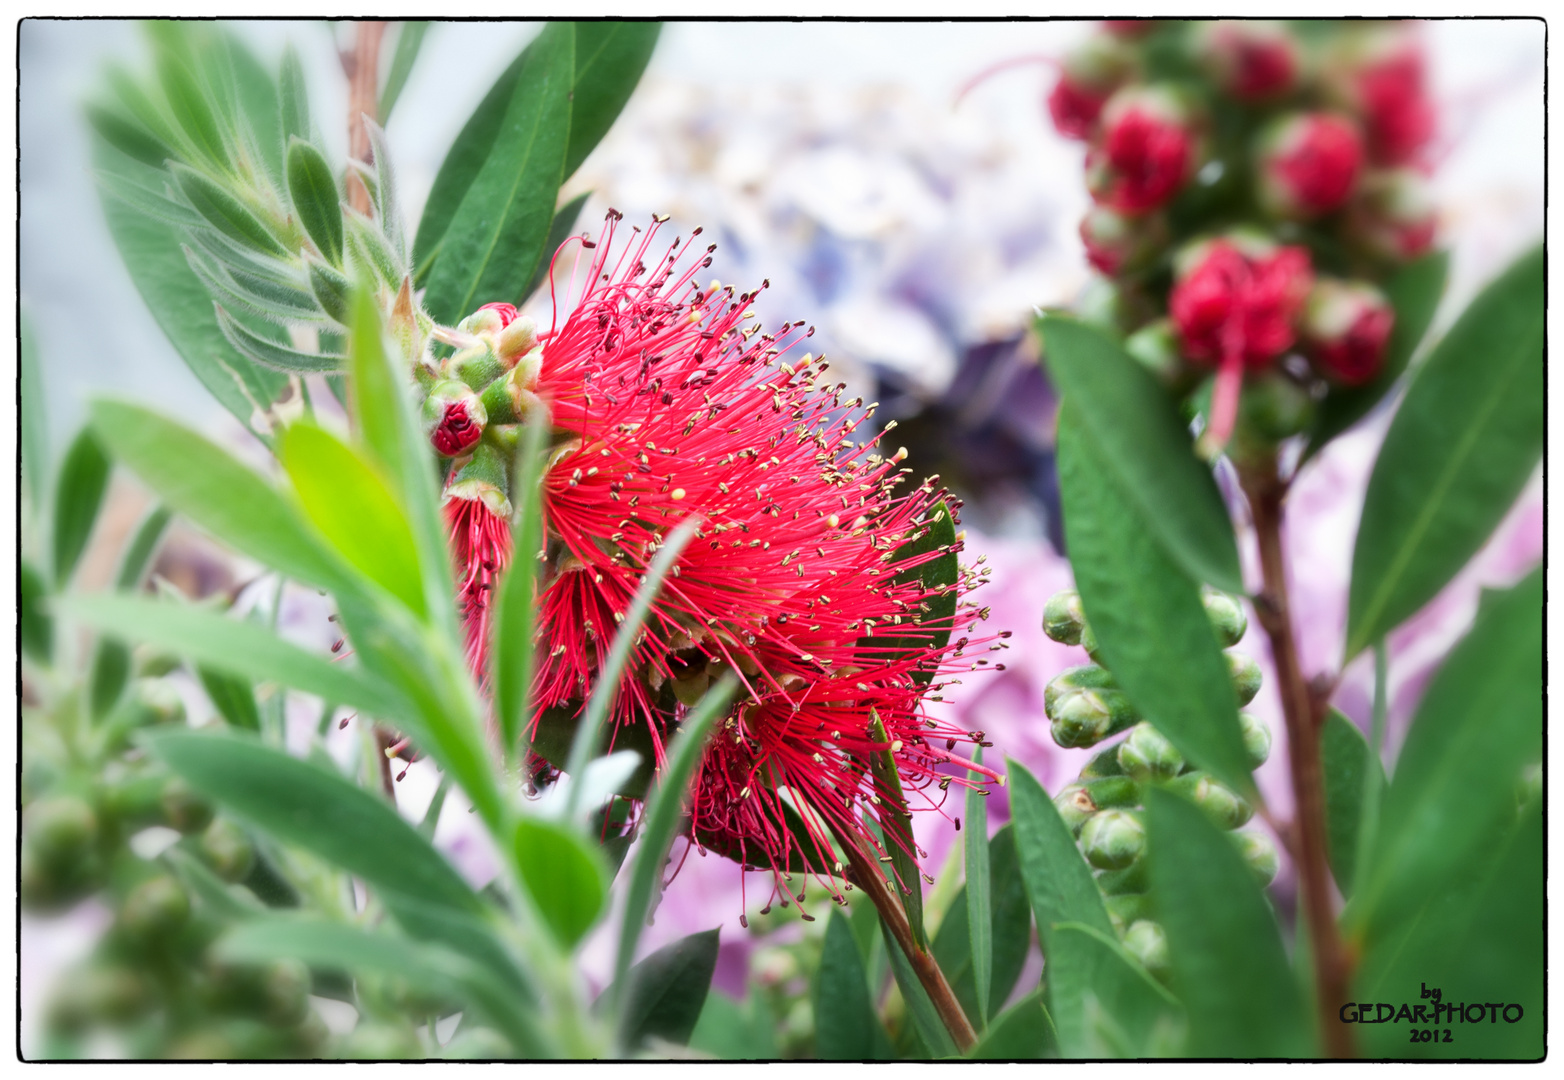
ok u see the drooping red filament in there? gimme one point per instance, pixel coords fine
(481, 547)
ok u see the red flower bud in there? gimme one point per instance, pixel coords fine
(1146, 152)
(1344, 329)
(1308, 164)
(1088, 76)
(1252, 61)
(1118, 244)
(1380, 75)
(507, 312)
(1393, 217)
(1238, 297)
(454, 416)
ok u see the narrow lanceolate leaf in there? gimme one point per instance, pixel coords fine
(563, 874)
(846, 1027)
(979, 919)
(1010, 916)
(663, 811)
(1123, 1012)
(663, 995)
(387, 207)
(354, 508)
(1454, 789)
(273, 354)
(1414, 294)
(35, 429)
(225, 212)
(279, 303)
(154, 204)
(127, 135)
(496, 236)
(1345, 757)
(111, 656)
(293, 97)
(324, 812)
(1229, 966)
(205, 483)
(235, 646)
(1140, 443)
(256, 98)
(331, 290)
(925, 1017)
(562, 228)
(1147, 615)
(1023, 1031)
(84, 477)
(408, 41)
(515, 612)
(37, 624)
(313, 189)
(896, 824)
(1462, 445)
(932, 561)
(610, 57)
(191, 109)
(233, 697)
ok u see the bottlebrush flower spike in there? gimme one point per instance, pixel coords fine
(1308, 164)
(1146, 151)
(1344, 330)
(673, 402)
(1234, 302)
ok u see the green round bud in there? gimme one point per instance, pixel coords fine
(157, 702)
(1146, 942)
(1075, 807)
(1073, 679)
(1086, 717)
(1245, 674)
(203, 1045)
(1132, 879)
(103, 993)
(1271, 408)
(183, 808)
(379, 1042)
(1259, 854)
(1226, 615)
(1148, 755)
(48, 887)
(285, 992)
(1124, 910)
(227, 850)
(1113, 839)
(1257, 738)
(309, 1036)
(151, 664)
(155, 908)
(60, 829)
(1220, 802)
(478, 1044)
(1063, 617)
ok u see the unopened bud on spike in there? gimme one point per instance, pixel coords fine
(1260, 855)
(1220, 802)
(1063, 617)
(489, 319)
(1113, 839)
(1257, 738)
(1245, 674)
(1125, 910)
(516, 340)
(1075, 806)
(477, 366)
(1226, 615)
(1147, 754)
(1344, 330)
(1146, 942)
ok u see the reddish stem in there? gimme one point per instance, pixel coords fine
(363, 68)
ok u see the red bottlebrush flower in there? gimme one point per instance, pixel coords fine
(1118, 244)
(675, 406)
(1146, 152)
(1393, 217)
(477, 518)
(1087, 77)
(1233, 303)
(1308, 164)
(1253, 61)
(1344, 329)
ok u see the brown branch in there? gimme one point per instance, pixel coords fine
(867, 876)
(363, 70)
(1304, 712)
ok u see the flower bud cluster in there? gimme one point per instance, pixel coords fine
(1104, 806)
(1253, 186)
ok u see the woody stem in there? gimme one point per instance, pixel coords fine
(867, 876)
(363, 96)
(1304, 713)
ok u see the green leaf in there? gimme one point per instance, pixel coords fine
(896, 826)
(84, 477)
(236, 647)
(35, 428)
(925, 1018)
(206, 484)
(560, 231)
(980, 925)
(1009, 914)
(257, 99)
(933, 558)
(1228, 962)
(37, 627)
(1139, 441)
(1122, 1010)
(313, 190)
(408, 41)
(188, 103)
(846, 1027)
(666, 991)
(1147, 615)
(1414, 294)
(1479, 939)
(233, 697)
(351, 504)
(386, 205)
(662, 817)
(127, 135)
(146, 201)
(357, 952)
(111, 657)
(293, 96)
(1024, 1031)
(515, 606)
(610, 57)
(381, 406)
(155, 258)
(1479, 724)
(1461, 447)
(733, 1033)
(563, 874)
(269, 353)
(325, 813)
(496, 235)
(137, 556)
(225, 212)
(1344, 757)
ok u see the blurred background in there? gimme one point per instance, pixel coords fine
(916, 234)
